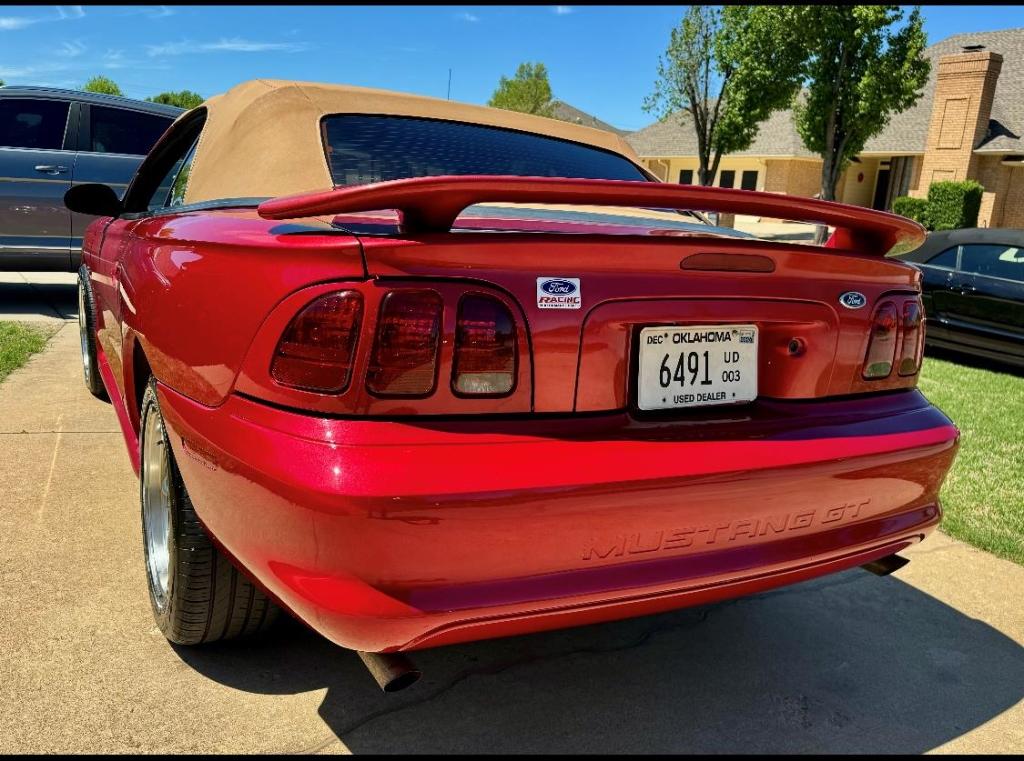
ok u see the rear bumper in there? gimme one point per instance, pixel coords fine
(400, 535)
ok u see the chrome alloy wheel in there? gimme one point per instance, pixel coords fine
(156, 507)
(83, 335)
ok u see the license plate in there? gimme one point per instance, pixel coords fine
(697, 366)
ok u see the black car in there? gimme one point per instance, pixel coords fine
(51, 139)
(973, 282)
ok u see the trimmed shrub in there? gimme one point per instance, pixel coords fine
(912, 208)
(953, 205)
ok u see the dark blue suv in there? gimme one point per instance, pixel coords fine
(51, 139)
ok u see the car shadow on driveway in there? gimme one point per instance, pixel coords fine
(30, 296)
(849, 663)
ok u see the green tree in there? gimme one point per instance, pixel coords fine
(2, 83)
(528, 91)
(181, 99)
(723, 73)
(860, 67)
(102, 84)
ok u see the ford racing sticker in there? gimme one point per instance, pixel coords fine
(559, 293)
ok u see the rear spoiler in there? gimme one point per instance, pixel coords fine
(432, 204)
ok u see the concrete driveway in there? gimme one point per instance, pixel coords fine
(930, 659)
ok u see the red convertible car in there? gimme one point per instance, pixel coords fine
(421, 373)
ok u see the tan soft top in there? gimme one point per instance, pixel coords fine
(262, 138)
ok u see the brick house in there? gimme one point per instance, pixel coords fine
(968, 124)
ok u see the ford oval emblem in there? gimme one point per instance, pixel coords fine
(853, 300)
(558, 287)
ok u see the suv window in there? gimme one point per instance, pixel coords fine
(994, 261)
(118, 130)
(26, 123)
(946, 259)
(369, 148)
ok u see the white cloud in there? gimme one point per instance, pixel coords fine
(238, 45)
(70, 11)
(114, 59)
(562, 10)
(171, 48)
(467, 17)
(31, 71)
(70, 49)
(152, 11)
(16, 22)
(230, 45)
(10, 23)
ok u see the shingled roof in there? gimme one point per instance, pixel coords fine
(568, 113)
(675, 137)
(1006, 127)
(906, 132)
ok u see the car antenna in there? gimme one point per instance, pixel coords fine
(449, 83)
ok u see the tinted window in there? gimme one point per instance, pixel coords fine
(364, 148)
(726, 178)
(33, 123)
(748, 180)
(171, 191)
(685, 176)
(994, 261)
(946, 259)
(177, 197)
(117, 130)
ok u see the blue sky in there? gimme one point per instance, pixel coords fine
(601, 59)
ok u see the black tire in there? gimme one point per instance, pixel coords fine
(87, 336)
(206, 598)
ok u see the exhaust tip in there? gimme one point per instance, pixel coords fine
(885, 566)
(391, 671)
(400, 682)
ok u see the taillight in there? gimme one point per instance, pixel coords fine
(485, 348)
(316, 350)
(913, 339)
(404, 359)
(882, 345)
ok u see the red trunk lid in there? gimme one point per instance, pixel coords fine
(583, 358)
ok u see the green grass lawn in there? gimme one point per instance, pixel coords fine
(983, 497)
(18, 342)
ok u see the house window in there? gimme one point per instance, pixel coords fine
(726, 178)
(685, 176)
(748, 180)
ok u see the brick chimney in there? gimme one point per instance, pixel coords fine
(965, 86)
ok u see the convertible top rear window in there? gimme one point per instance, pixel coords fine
(369, 148)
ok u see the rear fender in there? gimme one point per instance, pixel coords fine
(197, 287)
